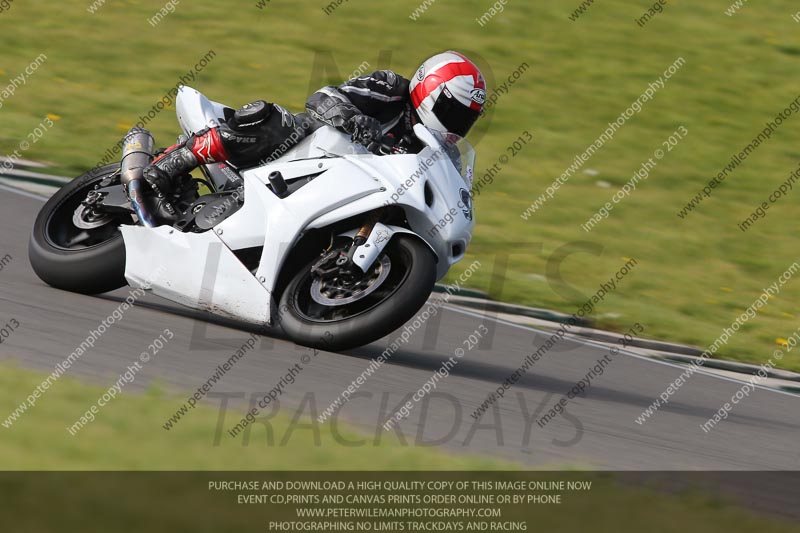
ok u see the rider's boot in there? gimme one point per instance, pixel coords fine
(168, 175)
(166, 209)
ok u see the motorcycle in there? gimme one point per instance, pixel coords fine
(337, 245)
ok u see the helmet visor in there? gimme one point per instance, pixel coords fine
(454, 115)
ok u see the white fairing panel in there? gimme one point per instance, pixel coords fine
(198, 271)
(323, 142)
(276, 224)
(446, 225)
(196, 112)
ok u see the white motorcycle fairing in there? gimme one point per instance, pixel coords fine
(201, 270)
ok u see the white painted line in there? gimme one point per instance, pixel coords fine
(22, 193)
(589, 342)
(15, 172)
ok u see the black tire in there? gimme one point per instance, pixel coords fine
(92, 268)
(414, 268)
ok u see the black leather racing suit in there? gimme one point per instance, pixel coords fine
(383, 95)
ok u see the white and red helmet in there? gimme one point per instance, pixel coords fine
(448, 92)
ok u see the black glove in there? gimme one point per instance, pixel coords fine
(364, 129)
(162, 174)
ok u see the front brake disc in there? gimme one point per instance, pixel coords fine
(337, 291)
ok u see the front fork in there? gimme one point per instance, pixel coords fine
(336, 262)
(363, 234)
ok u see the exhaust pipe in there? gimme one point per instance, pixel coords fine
(137, 153)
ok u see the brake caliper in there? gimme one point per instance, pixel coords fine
(330, 265)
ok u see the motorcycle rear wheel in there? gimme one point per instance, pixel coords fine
(67, 257)
(400, 295)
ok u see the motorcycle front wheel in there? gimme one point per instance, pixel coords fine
(338, 314)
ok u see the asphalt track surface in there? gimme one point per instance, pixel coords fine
(599, 432)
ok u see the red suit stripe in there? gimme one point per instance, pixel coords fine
(208, 148)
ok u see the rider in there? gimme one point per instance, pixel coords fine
(447, 94)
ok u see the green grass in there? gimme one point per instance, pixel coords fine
(694, 275)
(126, 436)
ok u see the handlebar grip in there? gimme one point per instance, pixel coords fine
(386, 146)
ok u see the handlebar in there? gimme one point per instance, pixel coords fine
(386, 146)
